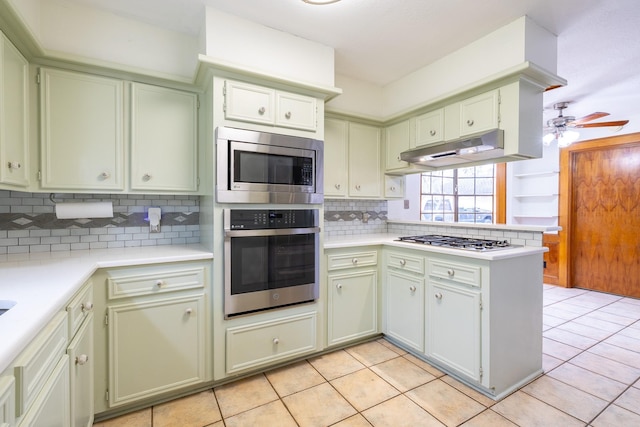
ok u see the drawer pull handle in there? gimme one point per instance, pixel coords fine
(339, 286)
(14, 165)
(432, 132)
(287, 115)
(86, 306)
(105, 175)
(470, 122)
(412, 288)
(261, 110)
(438, 295)
(159, 283)
(146, 177)
(188, 311)
(403, 262)
(451, 272)
(82, 359)
(276, 341)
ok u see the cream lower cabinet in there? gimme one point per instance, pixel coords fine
(7, 401)
(51, 407)
(352, 287)
(404, 304)
(154, 336)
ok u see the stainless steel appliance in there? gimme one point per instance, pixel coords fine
(466, 243)
(260, 167)
(271, 258)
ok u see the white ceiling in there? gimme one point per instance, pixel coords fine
(383, 40)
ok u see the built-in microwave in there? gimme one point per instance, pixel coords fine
(261, 167)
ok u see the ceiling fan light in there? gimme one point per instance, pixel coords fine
(548, 138)
(566, 138)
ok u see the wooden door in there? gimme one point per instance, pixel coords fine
(600, 214)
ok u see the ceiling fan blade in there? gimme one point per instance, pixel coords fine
(589, 117)
(601, 124)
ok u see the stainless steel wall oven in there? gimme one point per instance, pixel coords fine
(271, 258)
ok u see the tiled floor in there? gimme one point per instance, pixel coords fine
(591, 359)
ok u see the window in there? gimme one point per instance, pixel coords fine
(459, 195)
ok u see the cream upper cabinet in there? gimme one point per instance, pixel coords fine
(364, 161)
(479, 113)
(258, 104)
(429, 127)
(14, 116)
(397, 140)
(336, 138)
(82, 137)
(164, 142)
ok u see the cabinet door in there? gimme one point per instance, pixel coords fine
(335, 157)
(364, 161)
(14, 115)
(397, 140)
(249, 103)
(479, 113)
(394, 187)
(80, 353)
(430, 127)
(154, 347)
(51, 407)
(295, 111)
(453, 327)
(353, 306)
(164, 143)
(82, 141)
(7, 401)
(404, 301)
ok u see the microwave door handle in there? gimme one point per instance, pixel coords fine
(271, 232)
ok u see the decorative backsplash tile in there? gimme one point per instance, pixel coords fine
(345, 217)
(28, 222)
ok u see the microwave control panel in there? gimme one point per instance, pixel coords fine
(260, 219)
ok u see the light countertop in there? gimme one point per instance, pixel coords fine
(42, 283)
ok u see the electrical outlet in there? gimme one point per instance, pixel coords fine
(154, 216)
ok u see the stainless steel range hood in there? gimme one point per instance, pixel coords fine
(472, 148)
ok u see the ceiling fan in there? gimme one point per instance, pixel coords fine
(559, 127)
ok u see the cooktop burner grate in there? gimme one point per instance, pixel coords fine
(457, 242)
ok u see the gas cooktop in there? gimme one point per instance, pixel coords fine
(467, 243)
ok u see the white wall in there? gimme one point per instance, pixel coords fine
(396, 209)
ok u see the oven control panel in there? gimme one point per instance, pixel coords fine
(259, 219)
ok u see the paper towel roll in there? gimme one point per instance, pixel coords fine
(84, 210)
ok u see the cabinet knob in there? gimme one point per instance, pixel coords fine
(339, 286)
(432, 132)
(354, 261)
(188, 311)
(159, 283)
(287, 115)
(82, 359)
(276, 341)
(86, 306)
(438, 295)
(451, 272)
(14, 165)
(403, 262)
(412, 288)
(146, 177)
(393, 188)
(358, 187)
(470, 122)
(105, 175)
(338, 186)
(261, 110)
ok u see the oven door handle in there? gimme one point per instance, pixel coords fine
(271, 232)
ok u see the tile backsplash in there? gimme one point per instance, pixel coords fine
(346, 217)
(28, 222)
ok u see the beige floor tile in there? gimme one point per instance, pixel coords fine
(585, 331)
(392, 346)
(318, 406)
(624, 341)
(611, 318)
(569, 399)
(609, 368)
(587, 381)
(196, 410)
(489, 418)
(448, 405)
(555, 311)
(623, 308)
(630, 400)
(371, 353)
(294, 378)
(550, 362)
(242, 395)
(615, 416)
(593, 299)
(588, 320)
(216, 424)
(552, 321)
(402, 374)
(631, 331)
(527, 411)
(424, 365)
(364, 389)
(336, 364)
(475, 395)
(570, 338)
(619, 354)
(567, 307)
(559, 350)
(400, 411)
(355, 421)
(270, 414)
(140, 418)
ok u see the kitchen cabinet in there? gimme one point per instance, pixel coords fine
(429, 127)
(258, 344)
(336, 140)
(167, 305)
(14, 116)
(7, 401)
(164, 139)
(258, 104)
(397, 140)
(404, 304)
(352, 286)
(82, 131)
(394, 187)
(479, 113)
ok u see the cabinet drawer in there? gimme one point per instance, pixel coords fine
(259, 344)
(34, 366)
(352, 259)
(80, 307)
(406, 262)
(468, 275)
(7, 401)
(151, 281)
